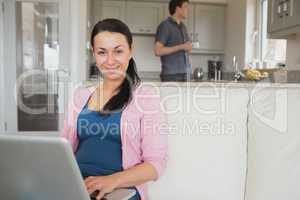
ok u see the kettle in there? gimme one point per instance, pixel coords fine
(198, 74)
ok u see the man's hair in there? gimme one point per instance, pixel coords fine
(175, 3)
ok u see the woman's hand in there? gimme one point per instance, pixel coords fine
(103, 184)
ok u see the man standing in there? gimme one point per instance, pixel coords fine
(172, 43)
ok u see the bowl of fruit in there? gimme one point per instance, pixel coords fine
(255, 75)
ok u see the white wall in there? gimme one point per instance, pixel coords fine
(251, 28)
(292, 53)
(144, 53)
(78, 36)
(235, 33)
(1, 73)
(10, 108)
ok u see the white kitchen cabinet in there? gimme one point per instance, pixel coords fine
(209, 27)
(144, 17)
(205, 22)
(283, 18)
(109, 9)
(165, 10)
(293, 19)
(276, 16)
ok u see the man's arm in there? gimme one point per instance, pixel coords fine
(160, 49)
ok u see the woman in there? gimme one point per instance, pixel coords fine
(116, 128)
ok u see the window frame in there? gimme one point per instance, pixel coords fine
(260, 50)
(260, 28)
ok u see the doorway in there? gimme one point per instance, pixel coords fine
(36, 49)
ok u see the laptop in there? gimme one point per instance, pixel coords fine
(43, 168)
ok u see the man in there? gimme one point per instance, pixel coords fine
(172, 43)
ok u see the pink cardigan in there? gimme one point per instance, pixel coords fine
(143, 129)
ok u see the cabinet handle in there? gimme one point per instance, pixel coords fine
(279, 9)
(141, 30)
(148, 30)
(285, 7)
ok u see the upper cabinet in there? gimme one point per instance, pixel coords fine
(208, 27)
(141, 17)
(205, 23)
(108, 9)
(293, 18)
(113, 9)
(144, 17)
(283, 18)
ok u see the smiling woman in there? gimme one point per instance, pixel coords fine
(112, 48)
(112, 54)
(115, 127)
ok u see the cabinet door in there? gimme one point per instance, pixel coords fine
(166, 13)
(190, 22)
(283, 18)
(113, 9)
(293, 14)
(276, 16)
(209, 27)
(144, 17)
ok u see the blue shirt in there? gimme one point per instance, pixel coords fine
(171, 34)
(99, 151)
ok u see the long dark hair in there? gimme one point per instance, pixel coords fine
(131, 80)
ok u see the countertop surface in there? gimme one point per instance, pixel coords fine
(222, 83)
(152, 79)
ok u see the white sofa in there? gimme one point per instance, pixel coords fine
(274, 145)
(207, 144)
(259, 160)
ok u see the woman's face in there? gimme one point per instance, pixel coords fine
(112, 54)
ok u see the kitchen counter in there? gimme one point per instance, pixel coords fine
(219, 84)
(152, 78)
(223, 84)
(292, 80)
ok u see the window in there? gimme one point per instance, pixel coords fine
(272, 51)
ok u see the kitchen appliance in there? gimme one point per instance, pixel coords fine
(198, 74)
(214, 70)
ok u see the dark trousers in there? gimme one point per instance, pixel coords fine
(175, 77)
